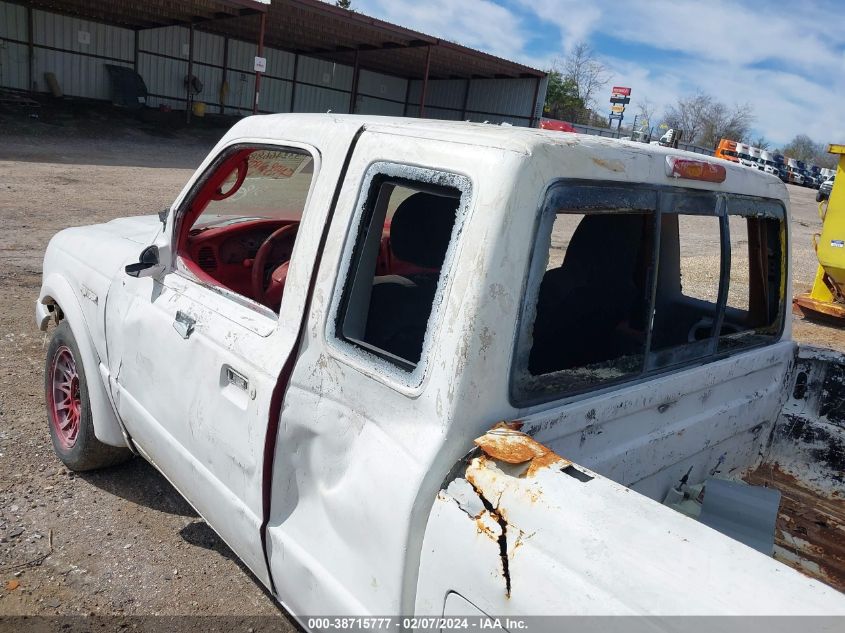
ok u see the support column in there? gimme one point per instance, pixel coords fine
(31, 49)
(293, 81)
(135, 53)
(353, 96)
(425, 81)
(224, 75)
(188, 97)
(260, 54)
(466, 101)
(533, 119)
(407, 95)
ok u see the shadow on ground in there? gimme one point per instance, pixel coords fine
(137, 481)
(140, 483)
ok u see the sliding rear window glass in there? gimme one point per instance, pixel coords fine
(629, 281)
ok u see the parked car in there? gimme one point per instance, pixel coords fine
(824, 189)
(414, 367)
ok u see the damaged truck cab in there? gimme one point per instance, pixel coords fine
(419, 367)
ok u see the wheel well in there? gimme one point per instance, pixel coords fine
(54, 307)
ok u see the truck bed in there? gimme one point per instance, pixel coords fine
(810, 532)
(806, 462)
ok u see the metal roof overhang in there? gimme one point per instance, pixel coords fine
(148, 14)
(307, 27)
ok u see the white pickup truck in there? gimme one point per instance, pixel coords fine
(438, 368)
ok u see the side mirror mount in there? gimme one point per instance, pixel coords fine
(147, 264)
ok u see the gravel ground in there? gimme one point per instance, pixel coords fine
(122, 541)
(119, 541)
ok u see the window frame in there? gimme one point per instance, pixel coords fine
(394, 371)
(664, 195)
(178, 265)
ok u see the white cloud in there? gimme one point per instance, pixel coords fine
(787, 61)
(480, 24)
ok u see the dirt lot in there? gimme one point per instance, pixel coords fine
(122, 541)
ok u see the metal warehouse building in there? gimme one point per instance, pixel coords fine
(318, 58)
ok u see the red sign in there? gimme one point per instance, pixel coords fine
(621, 90)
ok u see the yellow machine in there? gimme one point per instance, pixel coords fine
(828, 294)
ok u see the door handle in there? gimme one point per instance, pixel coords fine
(184, 324)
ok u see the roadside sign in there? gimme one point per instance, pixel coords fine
(617, 109)
(260, 64)
(620, 91)
(625, 100)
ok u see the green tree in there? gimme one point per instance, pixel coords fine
(562, 100)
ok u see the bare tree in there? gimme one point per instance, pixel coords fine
(587, 73)
(689, 115)
(646, 113)
(762, 142)
(720, 122)
(802, 147)
(705, 121)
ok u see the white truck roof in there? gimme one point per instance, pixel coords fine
(567, 155)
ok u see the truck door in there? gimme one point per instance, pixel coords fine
(195, 353)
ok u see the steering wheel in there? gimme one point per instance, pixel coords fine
(267, 289)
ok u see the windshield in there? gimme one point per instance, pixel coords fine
(274, 187)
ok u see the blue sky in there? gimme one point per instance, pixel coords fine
(787, 59)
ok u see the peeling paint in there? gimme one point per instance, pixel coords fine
(612, 164)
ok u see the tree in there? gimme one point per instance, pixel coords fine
(646, 113)
(802, 147)
(723, 122)
(574, 83)
(762, 142)
(344, 4)
(705, 121)
(586, 73)
(688, 114)
(562, 101)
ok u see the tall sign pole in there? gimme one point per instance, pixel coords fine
(620, 96)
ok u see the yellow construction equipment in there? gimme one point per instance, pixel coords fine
(828, 294)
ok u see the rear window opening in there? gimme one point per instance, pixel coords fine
(626, 282)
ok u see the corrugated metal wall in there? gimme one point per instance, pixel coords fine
(494, 100)
(74, 50)
(77, 50)
(14, 57)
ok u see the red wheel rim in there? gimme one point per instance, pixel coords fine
(64, 403)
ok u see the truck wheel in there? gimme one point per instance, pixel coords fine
(69, 410)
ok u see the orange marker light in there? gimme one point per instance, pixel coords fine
(688, 169)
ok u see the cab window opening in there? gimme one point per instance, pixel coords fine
(639, 281)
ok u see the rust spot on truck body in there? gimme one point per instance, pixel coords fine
(504, 442)
(810, 529)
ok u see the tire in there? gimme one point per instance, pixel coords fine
(69, 409)
(819, 197)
